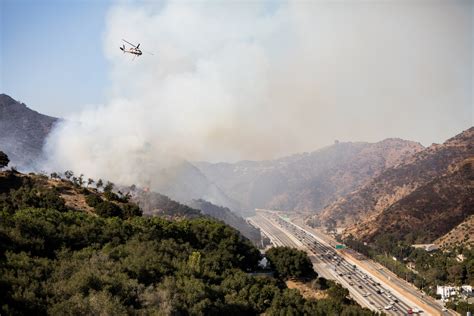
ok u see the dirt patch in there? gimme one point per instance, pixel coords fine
(77, 202)
(305, 290)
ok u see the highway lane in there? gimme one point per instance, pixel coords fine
(359, 280)
(278, 237)
(362, 287)
(408, 289)
(322, 266)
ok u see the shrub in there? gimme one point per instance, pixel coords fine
(108, 209)
(290, 263)
(93, 200)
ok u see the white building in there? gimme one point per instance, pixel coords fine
(448, 291)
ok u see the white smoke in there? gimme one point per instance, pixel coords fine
(252, 80)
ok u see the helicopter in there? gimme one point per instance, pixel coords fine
(134, 49)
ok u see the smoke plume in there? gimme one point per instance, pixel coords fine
(256, 80)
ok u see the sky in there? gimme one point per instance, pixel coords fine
(240, 79)
(51, 53)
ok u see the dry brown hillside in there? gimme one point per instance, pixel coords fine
(430, 211)
(398, 182)
(308, 181)
(461, 235)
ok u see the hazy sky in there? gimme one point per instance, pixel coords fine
(242, 79)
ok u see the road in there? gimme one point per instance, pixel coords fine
(374, 268)
(363, 284)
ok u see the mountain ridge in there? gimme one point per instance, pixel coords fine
(423, 179)
(22, 131)
(307, 181)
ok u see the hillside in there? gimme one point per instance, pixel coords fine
(418, 188)
(153, 203)
(462, 235)
(184, 182)
(228, 217)
(309, 181)
(427, 213)
(22, 131)
(156, 204)
(58, 257)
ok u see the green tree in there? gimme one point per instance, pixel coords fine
(338, 293)
(131, 210)
(99, 184)
(109, 187)
(108, 209)
(194, 261)
(80, 180)
(3, 160)
(290, 263)
(288, 302)
(68, 174)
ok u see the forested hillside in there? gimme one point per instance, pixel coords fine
(227, 216)
(66, 249)
(153, 203)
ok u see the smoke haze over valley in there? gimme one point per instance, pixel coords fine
(259, 81)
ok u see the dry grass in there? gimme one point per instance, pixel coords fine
(461, 235)
(305, 290)
(72, 196)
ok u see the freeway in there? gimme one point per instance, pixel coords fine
(409, 290)
(277, 236)
(364, 287)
